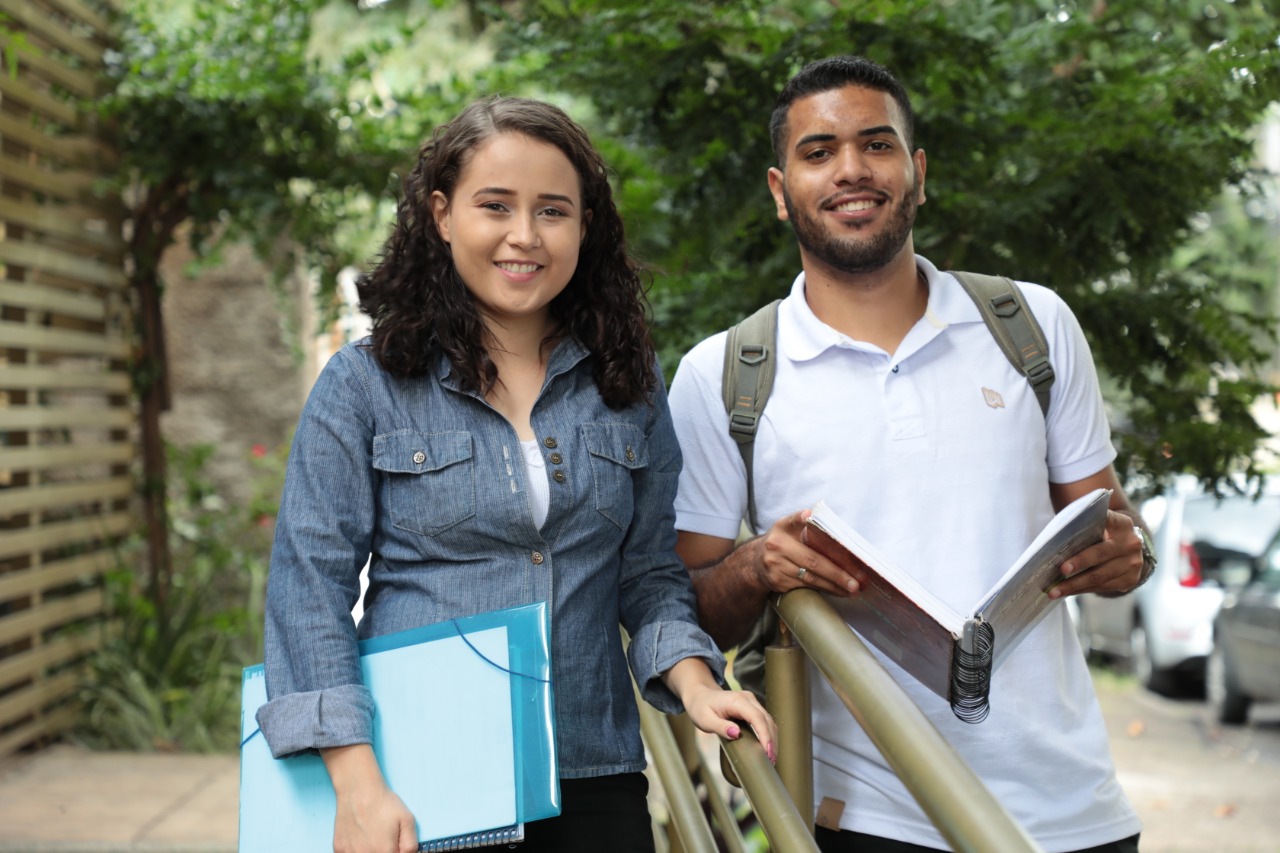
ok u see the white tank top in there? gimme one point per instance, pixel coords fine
(539, 489)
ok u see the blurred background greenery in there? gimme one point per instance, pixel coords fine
(1109, 150)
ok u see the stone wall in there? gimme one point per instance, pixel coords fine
(238, 371)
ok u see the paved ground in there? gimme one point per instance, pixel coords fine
(1198, 787)
(71, 800)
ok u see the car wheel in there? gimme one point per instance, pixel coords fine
(1228, 704)
(1144, 668)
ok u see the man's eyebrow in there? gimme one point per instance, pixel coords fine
(814, 137)
(882, 130)
(879, 130)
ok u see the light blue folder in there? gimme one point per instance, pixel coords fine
(464, 730)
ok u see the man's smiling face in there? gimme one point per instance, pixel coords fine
(851, 185)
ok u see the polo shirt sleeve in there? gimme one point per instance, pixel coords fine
(712, 495)
(1079, 437)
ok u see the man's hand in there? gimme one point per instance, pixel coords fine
(1111, 567)
(733, 582)
(784, 561)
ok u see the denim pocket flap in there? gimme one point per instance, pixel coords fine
(619, 443)
(408, 452)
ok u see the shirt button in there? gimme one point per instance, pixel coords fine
(537, 558)
(895, 368)
(631, 455)
(549, 441)
(556, 459)
(419, 458)
(558, 476)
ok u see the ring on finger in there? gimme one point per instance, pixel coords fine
(800, 574)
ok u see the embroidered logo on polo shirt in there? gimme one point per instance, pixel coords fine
(993, 398)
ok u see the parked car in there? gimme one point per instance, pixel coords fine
(1205, 546)
(1244, 665)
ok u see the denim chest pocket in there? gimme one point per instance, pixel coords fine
(430, 479)
(617, 452)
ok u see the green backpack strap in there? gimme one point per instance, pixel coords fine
(1014, 327)
(749, 365)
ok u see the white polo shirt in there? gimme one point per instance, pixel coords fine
(939, 455)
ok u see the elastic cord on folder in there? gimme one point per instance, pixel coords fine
(479, 654)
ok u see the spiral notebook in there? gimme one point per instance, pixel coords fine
(472, 769)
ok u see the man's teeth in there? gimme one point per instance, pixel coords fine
(519, 268)
(852, 206)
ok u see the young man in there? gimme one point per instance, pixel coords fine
(894, 404)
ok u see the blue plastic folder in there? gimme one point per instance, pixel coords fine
(464, 729)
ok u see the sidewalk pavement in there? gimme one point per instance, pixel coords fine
(66, 799)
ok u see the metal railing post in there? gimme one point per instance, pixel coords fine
(682, 800)
(951, 794)
(697, 761)
(786, 686)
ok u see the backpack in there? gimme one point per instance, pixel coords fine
(749, 367)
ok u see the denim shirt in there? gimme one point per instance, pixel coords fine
(428, 483)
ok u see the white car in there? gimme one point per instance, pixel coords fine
(1204, 546)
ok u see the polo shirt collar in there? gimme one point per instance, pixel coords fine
(807, 337)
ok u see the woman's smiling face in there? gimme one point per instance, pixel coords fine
(514, 225)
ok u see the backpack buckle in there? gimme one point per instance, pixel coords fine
(1039, 370)
(1005, 305)
(743, 423)
(753, 354)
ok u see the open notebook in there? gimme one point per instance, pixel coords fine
(463, 730)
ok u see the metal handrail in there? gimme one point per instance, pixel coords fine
(682, 800)
(721, 811)
(788, 832)
(951, 794)
(953, 797)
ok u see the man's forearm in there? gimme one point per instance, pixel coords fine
(730, 598)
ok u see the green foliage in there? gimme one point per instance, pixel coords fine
(12, 43)
(1069, 143)
(169, 675)
(228, 121)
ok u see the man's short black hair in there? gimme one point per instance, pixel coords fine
(826, 75)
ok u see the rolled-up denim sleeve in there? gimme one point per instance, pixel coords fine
(657, 600)
(322, 541)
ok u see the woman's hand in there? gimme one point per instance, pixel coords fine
(718, 711)
(371, 818)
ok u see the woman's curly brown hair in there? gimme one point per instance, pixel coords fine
(421, 307)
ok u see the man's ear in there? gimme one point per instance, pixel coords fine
(919, 160)
(776, 178)
(440, 213)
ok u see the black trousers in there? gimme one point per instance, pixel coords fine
(605, 813)
(830, 841)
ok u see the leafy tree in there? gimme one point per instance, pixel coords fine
(234, 122)
(1069, 143)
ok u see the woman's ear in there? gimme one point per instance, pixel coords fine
(586, 220)
(440, 213)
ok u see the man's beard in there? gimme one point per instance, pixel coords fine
(846, 253)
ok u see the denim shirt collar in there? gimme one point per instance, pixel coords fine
(564, 357)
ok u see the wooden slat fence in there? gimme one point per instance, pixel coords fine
(67, 422)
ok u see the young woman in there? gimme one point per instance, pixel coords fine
(502, 438)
